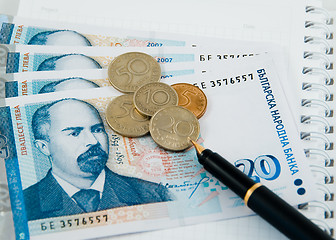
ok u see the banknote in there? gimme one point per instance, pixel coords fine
(38, 82)
(30, 83)
(60, 143)
(15, 30)
(45, 58)
(18, 30)
(26, 58)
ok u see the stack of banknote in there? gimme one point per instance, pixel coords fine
(69, 174)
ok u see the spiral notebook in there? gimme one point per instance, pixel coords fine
(317, 118)
(307, 32)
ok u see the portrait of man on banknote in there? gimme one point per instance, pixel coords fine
(68, 62)
(68, 84)
(59, 38)
(71, 133)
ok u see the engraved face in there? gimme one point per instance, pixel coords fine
(59, 38)
(68, 62)
(68, 84)
(74, 83)
(78, 143)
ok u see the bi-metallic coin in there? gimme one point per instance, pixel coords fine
(171, 128)
(129, 71)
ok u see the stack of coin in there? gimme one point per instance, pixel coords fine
(169, 113)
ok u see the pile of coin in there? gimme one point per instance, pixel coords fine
(169, 113)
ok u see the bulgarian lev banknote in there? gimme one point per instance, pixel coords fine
(18, 30)
(30, 83)
(25, 58)
(56, 144)
(39, 82)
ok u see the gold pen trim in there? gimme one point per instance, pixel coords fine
(198, 147)
(250, 191)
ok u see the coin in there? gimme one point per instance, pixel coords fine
(151, 97)
(171, 128)
(129, 71)
(124, 119)
(191, 98)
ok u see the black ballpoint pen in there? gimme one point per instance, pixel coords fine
(259, 198)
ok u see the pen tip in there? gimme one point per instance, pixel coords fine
(198, 147)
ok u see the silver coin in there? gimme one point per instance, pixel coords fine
(123, 118)
(171, 128)
(151, 97)
(129, 71)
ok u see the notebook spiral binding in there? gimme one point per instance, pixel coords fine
(321, 160)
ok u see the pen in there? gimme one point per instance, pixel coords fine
(259, 198)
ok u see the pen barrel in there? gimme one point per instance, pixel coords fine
(283, 216)
(262, 201)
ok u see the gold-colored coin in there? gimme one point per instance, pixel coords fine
(171, 128)
(124, 119)
(151, 97)
(191, 98)
(129, 71)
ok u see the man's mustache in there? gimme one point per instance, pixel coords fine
(86, 165)
(93, 151)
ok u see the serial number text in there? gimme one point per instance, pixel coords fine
(74, 222)
(226, 81)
